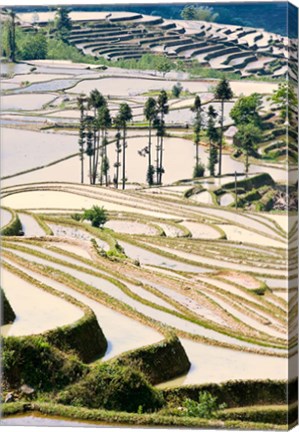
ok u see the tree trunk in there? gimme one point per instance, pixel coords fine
(90, 170)
(161, 149)
(97, 150)
(150, 144)
(106, 159)
(124, 159)
(197, 151)
(157, 161)
(246, 164)
(221, 137)
(161, 160)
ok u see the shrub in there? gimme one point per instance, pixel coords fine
(32, 46)
(76, 216)
(35, 362)
(113, 387)
(96, 215)
(8, 314)
(13, 228)
(199, 170)
(177, 90)
(207, 407)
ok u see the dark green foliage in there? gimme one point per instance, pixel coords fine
(246, 110)
(85, 338)
(63, 24)
(150, 175)
(7, 313)
(199, 170)
(9, 45)
(124, 116)
(32, 46)
(197, 126)
(206, 407)
(223, 92)
(33, 361)
(14, 228)
(159, 362)
(150, 113)
(96, 215)
(193, 191)
(199, 13)
(159, 124)
(77, 216)
(239, 393)
(213, 135)
(252, 182)
(113, 387)
(177, 90)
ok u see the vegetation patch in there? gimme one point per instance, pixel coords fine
(7, 315)
(14, 227)
(34, 361)
(113, 387)
(159, 362)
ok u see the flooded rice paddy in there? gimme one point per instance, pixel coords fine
(193, 298)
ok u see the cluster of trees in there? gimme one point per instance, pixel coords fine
(199, 13)
(214, 132)
(93, 137)
(34, 44)
(93, 133)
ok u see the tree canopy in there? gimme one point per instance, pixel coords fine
(246, 110)
(199, 13)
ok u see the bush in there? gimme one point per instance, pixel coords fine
(32, 46)
(8, 314)
(159, 362)
(199, 170)
(13, 228)
(177, 90)
(77, 216)
(113, 387)
(207, 407)
(96, 215)
(35, 362)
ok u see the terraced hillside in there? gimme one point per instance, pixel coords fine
(117, 36)
(130, 299)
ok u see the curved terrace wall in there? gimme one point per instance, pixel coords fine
(159, 362)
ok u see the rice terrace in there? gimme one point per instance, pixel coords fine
(149, 215)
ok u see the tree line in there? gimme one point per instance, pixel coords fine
(95, 120)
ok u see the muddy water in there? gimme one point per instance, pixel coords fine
(136, 167)
(36, 310)
(37, 420)
(163, 317)
(209, 364)
(54, 85)
(121, 332)
(30, 226)
(226, 199)
(25, 102)
(235, 233)
(40, 149)
(5, 217)
(201, 231)
(219, 262)
(150, 258)
(130, 227)
(202, 197)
